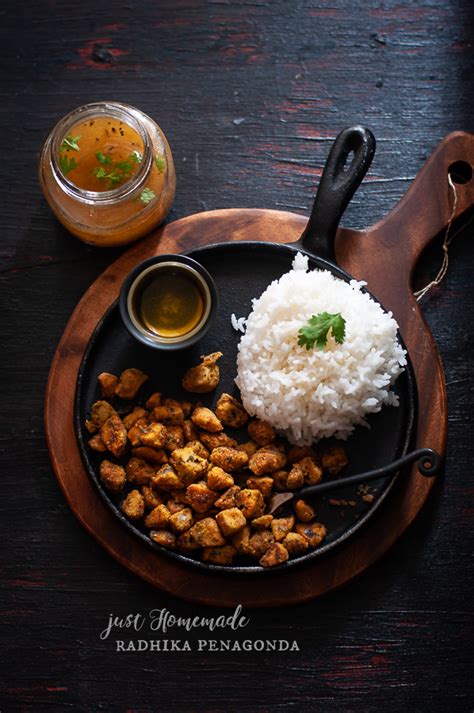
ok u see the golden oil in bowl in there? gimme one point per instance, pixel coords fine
(167, 302)
(170, 303)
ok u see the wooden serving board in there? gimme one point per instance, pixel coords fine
(384, 255)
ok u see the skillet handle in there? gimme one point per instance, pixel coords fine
(429, 464)
(336, 187)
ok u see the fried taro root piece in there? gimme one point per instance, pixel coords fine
(263, 522)
(259, 543)
(100, 412)
(97, 444)
(170, 413)
(134, 505)
(203, 378)
(189, 466)
(229, 498)
(174, 506)
(217, 440)
(280, 479)
(219, 555)
(295, 543)
(251, 503)
(158, 518)
(268, 459)
(241, 541)
(154, 400)
(166, 479)
(296, 453)
(187, 407)
(181, 520)
(276, 554)
(264, 484)
(281, 526)
(200, 497)
(304, 511)
(231, 412)
(314, 532)
(112, 476)
(334, 459)
(230, 521)
(185, 543)
(198, 448)
(139, 472)
(229, 459)
(154, 435)
(190, 431)
(129, 383)
(180, 497)
(250, 448)
(136, 431)
(295, 478)
(312, 471)
(174, 438)
(154, 456)
(138, 414)
(165, 538)
(206, 533)
(206, 419)
(114, 435)
(218, 479)
(151, 497)
(107, 384)
(261, 432)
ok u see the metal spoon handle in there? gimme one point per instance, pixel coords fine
(429, 463)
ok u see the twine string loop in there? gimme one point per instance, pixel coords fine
(448, 236)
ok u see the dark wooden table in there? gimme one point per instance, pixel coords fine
(250, 94)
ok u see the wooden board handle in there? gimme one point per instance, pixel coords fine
(385, 254)
(425, 209)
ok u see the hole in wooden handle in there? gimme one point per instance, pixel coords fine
(460, 172)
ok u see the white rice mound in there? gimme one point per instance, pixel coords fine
(309, 395)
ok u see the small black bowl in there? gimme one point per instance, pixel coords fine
(180, 263)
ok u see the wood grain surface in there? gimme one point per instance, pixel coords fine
(370, 255)
(250, 94)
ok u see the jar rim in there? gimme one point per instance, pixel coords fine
(116, 110)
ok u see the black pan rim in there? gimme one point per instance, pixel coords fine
(306, 559)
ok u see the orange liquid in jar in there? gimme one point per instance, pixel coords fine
(122, 171)
(100, 154)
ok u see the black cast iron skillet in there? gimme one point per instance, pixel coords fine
(241, 271)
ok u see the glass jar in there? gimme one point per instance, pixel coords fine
(117, 214)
